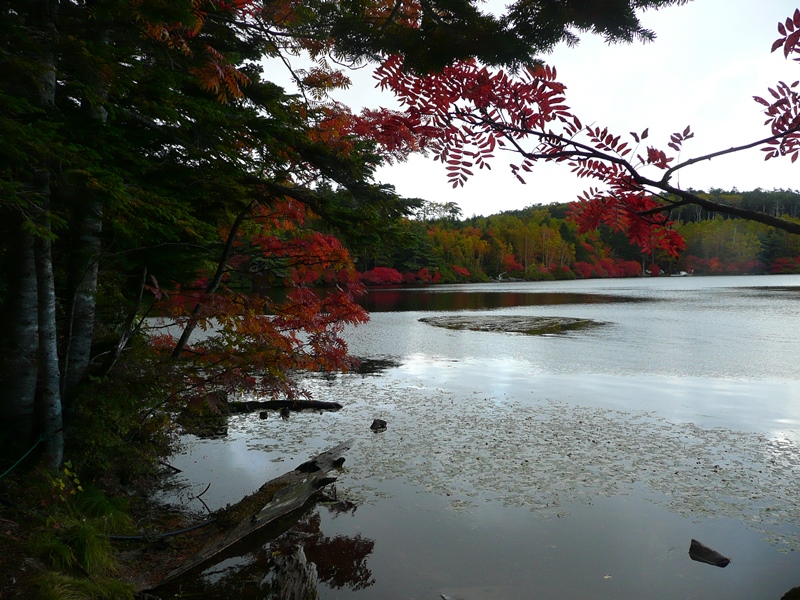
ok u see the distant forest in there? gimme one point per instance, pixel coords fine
(540, 242)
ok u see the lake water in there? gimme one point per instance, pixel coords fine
(577, 465)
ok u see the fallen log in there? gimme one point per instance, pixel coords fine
(292, 405)
(276, 498)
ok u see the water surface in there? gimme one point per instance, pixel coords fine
(577, 465)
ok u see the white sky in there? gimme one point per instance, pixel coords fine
(708, 61)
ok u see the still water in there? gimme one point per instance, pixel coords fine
(577, 465)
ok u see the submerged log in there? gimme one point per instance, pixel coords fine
(273, 500)
(702, 553)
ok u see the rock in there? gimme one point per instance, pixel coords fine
(702, 553)
(792, 594)
(263, 414)
(378, 425)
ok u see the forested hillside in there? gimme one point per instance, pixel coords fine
(542, 242)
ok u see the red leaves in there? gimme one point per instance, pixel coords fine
(220, 77)
(657, 158)
(463, 113)
(638, 137)
(783, 117)
(255, 343)
(466, 111)
(677, 139)
(790, 35)
(382, 276)
(634, 213)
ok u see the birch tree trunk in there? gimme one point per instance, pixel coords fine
(84, 264)
(49, 372)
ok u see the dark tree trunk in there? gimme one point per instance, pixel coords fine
(20, 340)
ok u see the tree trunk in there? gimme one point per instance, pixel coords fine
(83, 275)
(85, 254)
(295, 577)
(49, 372)
(20, 347)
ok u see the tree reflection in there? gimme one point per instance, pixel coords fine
(248, 571)
(341, 560)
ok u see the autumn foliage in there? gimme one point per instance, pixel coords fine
(258, 343)
(465, 113)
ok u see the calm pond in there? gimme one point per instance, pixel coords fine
(574, 465)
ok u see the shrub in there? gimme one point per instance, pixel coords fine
(382, 276)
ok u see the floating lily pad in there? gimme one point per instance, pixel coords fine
(527, 325)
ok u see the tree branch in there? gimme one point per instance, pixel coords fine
(732, 150)
(215, 281)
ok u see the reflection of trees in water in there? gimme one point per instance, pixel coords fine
(341, 560)
(248, 573)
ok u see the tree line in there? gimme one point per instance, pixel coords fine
(543, 242)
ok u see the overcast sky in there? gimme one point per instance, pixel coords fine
(708, 61)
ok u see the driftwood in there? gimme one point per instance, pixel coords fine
(702, 553)
(273, 500)
(292, 405)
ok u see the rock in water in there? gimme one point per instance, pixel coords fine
(702, 553)
(378, 425)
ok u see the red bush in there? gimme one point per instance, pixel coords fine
(382, 276)
(629, 268)
(510, 264)
(785, 265)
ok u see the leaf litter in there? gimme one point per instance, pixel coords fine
(541, 455)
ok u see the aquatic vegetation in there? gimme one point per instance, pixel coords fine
(528, 325)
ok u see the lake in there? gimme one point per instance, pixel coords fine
(572, 465)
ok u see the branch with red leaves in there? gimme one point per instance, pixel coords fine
(466, 112)
(259, 344)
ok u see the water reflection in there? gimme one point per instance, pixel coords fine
(436, 299)
(341, 560)
(376, 366)
(248, 570)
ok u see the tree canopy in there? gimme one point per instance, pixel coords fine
(146, 152)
